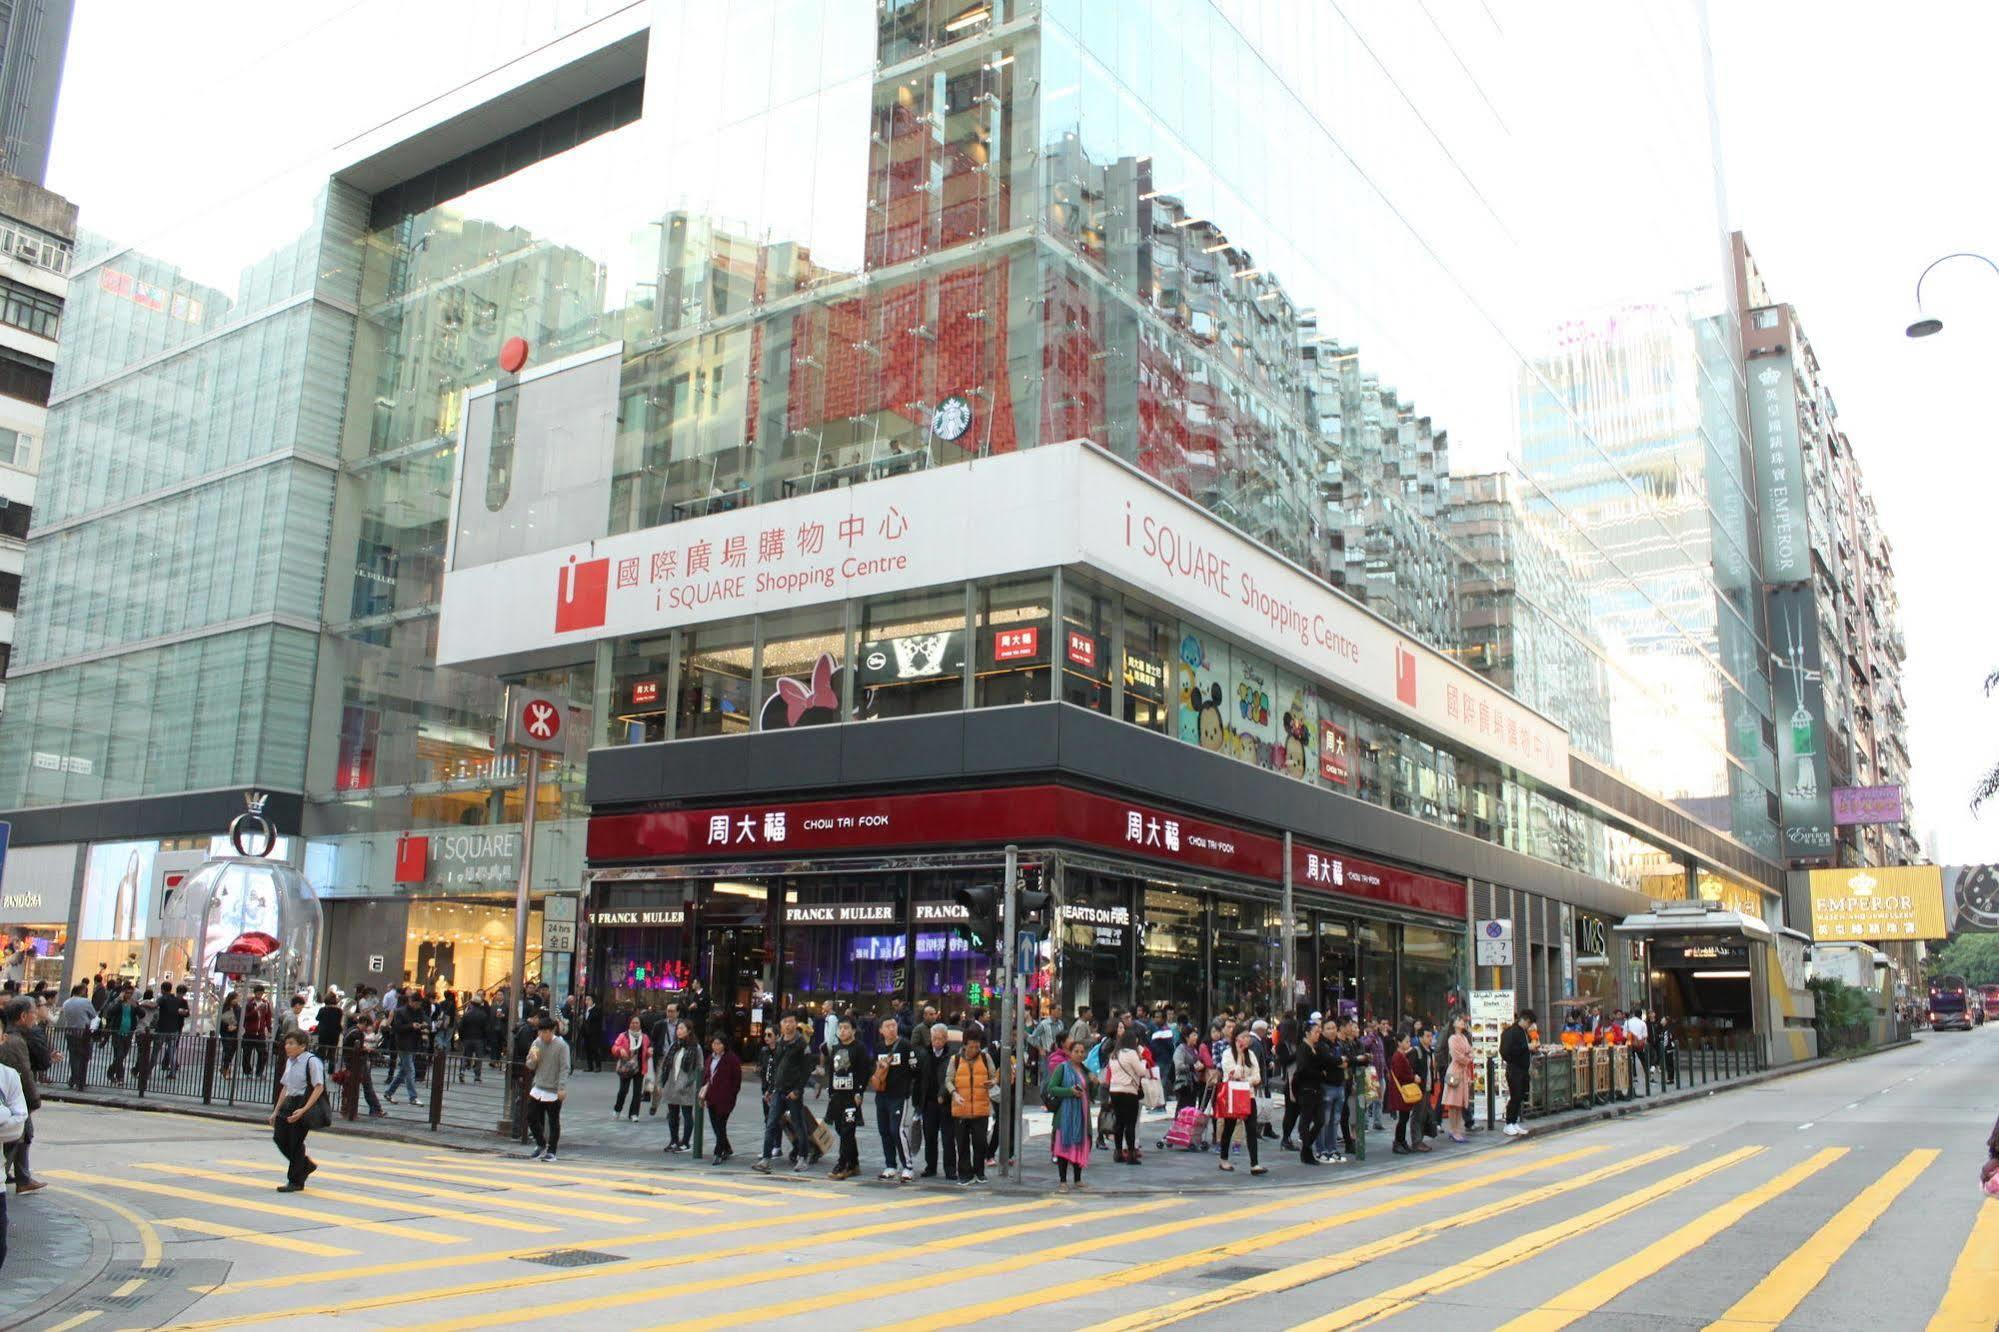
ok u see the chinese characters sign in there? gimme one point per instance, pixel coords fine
(1773, 430)
(1883, 902)
(1867, 804)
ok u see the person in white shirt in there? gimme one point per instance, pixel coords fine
(13, 1123)
(1635, 1028)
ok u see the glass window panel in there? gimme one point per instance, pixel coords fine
(715, 681)
(804, 661)
(1013, 646)
(1085, 643)
(911, 654)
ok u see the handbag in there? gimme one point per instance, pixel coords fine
(822, 1137)
(1153, 1093)
(1235, 1101)
(1410, 1093)
(878, 1080)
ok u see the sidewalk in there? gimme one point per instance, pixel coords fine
(590, 1131)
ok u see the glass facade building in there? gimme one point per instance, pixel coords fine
(837, 241)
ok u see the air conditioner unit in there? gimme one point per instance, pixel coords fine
(28, 247)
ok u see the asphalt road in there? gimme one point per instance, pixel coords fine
(1841, 1198)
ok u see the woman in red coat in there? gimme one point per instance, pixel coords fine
(1401, 1073)
(718, 1092)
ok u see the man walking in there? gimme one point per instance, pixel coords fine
(548, 1088)
(790, 1066)
(1515, 1053)
(405, 1038)
(300, 1088)
(257, 1018)
(14, 1055)
(895, 1072)
(356, 1046)
(933, 1102)
(1308, 1083)
(326, 1025)
(76, 1021)
(168, 1025)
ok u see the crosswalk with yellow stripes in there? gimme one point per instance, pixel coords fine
(443, 1240)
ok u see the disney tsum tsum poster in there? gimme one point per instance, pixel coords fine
(1253, 708)
(1203, 675)
(1297, 727)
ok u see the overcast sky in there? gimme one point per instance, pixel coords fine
(1856, 146)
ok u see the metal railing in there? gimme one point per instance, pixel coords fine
(448, 1089)
(1577, 1079)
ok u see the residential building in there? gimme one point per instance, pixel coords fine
(910, 448)
(1830, 582)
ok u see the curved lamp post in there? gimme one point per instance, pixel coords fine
(1925, 325)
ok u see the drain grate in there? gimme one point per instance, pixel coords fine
(1235, 1273)
(571, 1258)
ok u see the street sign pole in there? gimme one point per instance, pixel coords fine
(1016, 1070)
(518, 990)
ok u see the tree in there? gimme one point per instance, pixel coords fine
(1988, 785)
(1972, 956)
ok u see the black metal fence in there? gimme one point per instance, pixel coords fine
(1576, 1079)
(443, 1088)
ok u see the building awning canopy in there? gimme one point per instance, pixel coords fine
(1679, 918)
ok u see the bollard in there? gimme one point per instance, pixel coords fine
(699, 1116)
(356, 1067)
(1491, 1087)
(208, 1071)
(144, 1045)
(437, 1059)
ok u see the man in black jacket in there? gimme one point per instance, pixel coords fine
(1308, 1080)
(475, 1030)
(1516, 1053)
(405, 1039)
(326, 1031)
(933, 1101)
(790, 1066)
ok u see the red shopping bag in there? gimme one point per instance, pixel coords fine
(1234, 1101)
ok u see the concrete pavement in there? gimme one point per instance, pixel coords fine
(1841, 1197)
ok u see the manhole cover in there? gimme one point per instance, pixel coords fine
(1235, 1273)
(571, 1258)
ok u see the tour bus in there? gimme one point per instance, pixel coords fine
(1950, 1003)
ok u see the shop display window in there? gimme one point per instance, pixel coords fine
(1095, 927)
(1249, 960)
(640, 704)
(1084, 646)
(911, 654)
(466, 945)
(844, 939)
(715, 681)
(1173, 967)
(1374, 950)
(1013, 641)
(804, 662)
(1149, 640)
(1339, 969)
(1432, 969)
(946, 965)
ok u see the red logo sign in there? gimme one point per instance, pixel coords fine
(1016, 644)
(541, 719)
(1333, 764)
(646, 691)
(1405, 676)
(412, 859)
(580, 590)
(1083, 650)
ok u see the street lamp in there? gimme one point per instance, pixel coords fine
(1925, 325)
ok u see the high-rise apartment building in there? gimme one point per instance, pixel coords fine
(1834, 623)
(34, 35)
(924, 444)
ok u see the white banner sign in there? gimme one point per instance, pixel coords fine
(1065, 504)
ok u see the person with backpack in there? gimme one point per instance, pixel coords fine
(300, 1107)
(968, 1079)
(1065, 1094)
(894, 1075)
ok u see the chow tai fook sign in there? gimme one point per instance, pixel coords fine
(1055, 506)
(1881, 902)
(1019, 814)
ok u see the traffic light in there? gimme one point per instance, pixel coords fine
(1033, 908)
(981, 925)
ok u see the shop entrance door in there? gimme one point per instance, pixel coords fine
(732, 964)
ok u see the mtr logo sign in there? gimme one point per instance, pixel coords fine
(535, 721)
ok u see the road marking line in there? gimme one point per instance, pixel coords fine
(1778, 1295)
(593, 1174)
(582, 1195)
(1376, 1307)
(1318, 1269)
(683, 1289)
(128, 1288)
(223, 1200)
(149, 1237)
(1973, 1292)
(475, 1200)
(468, 1173)
(1587, 1296)
(605, 1270)
(1804, 1126)
(352, 1199)
(78, 1321)
(958, 1317)
(288, 1243)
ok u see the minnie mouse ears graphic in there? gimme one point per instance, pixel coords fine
(793, 703)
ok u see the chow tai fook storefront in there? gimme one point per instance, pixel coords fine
(775, 906)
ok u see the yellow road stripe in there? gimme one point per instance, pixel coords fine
(549, 1191)
(1377, 1307)
(1973, 1293)
(149, 1238)
(684, 1289)
(223, 1200)
(1133, 1274)
(128, 1288)
(1318, 1269)
(78, 1321)
(1588, 1296)
(761, 1223)
(288, 1243)
(679, 1258)
(352, 1199)
(775, 1186)
(1777, 1295)
(494, 1199)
